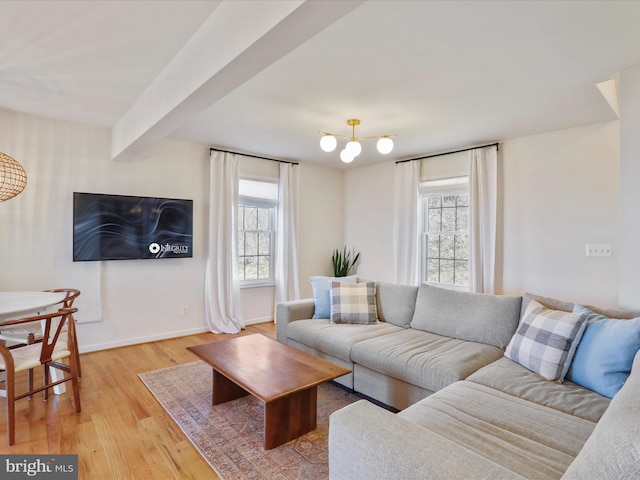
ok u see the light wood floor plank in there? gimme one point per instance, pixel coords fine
(122, 431)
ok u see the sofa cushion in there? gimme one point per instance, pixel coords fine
(336, 340)
(353, 303)
(613, 450)
(396, 303)
(321, 298)
(512, 378)
(546, 340)
(603, 359)
(490, 319)
(528, 439)
(423, 359)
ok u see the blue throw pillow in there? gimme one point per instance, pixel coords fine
(603, 360)
(321, 288)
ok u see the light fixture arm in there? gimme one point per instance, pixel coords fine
(385, 145)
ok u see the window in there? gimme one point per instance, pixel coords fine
(445, 232)
(256, 231)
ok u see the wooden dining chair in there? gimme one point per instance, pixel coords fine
(30, 334)
(48, 353)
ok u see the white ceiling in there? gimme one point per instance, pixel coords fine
(440, 75)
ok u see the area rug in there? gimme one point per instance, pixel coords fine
(230, 436)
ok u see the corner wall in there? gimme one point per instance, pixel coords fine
(560, 192)
(629, 191)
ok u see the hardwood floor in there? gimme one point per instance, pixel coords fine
(122, 432)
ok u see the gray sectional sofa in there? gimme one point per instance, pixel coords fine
(466, 410)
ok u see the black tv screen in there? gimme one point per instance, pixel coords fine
(123, 227)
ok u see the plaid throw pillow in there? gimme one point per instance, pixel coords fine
(353, 303)
(546, 340)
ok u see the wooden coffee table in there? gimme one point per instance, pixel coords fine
(284, 378)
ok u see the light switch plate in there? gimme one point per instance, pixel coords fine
(599, 250)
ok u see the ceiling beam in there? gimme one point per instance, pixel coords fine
(237, 42)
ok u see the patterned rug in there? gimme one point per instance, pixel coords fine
(230, 436)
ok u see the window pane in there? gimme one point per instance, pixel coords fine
(250, 268)
(447, 246)
(433, 271)
(264, 247)
(447, 271)
(255, 240)
(448, 219)
(264, 269)
(263, 219)
(462, 220)
(462, 272)
(433, 246)
(250, 218)
(251, 243)
(462, 247)
(449, 200)
(434, 220)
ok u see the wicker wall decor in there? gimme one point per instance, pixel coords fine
(13, 178)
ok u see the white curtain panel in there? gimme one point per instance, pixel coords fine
(483, 201)
(222, 289)
(286, 267)
(406, 235)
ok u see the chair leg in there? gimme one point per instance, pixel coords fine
(30, 340)
(46, 374)
(76, 353)
(11, 414)
(75, 384)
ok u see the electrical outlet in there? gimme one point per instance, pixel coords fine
(594, 250)
(184, 310)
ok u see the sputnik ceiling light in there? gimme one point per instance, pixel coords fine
(353, 148)
(13, 179)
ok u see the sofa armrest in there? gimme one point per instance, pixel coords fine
(612, 450)
(366, 441)
(287, 312)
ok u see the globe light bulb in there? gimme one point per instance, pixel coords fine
(328, 143)
(346, 156)
(354, 148)
(384, 145)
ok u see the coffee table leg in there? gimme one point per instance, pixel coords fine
(290, 417)
(225, 390)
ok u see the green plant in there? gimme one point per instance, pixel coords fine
(343, 262)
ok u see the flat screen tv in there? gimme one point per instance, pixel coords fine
(123, 227)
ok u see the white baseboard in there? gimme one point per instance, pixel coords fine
(253, 321)
(163, 336)
(146, 339)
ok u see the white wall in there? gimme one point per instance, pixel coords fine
(368, 219)
(140, 300)
(560, 192)
(320, 222)
(629, 191)
(135, 300)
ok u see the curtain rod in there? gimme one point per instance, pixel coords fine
(497, 145)
(252, 156)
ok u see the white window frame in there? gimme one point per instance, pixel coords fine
(451, 185)
(272, 205)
